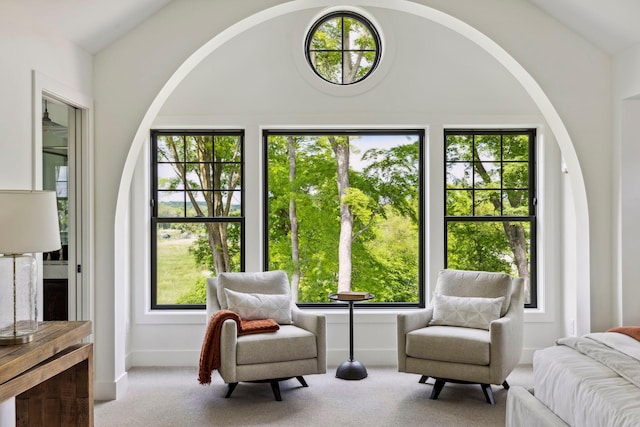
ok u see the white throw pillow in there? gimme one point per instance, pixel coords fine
(468, 312)
(260, 306)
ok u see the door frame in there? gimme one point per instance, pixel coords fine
(81, 304)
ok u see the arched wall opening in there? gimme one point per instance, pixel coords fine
(520, 74)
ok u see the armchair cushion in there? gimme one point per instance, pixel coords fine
(288, 344)
(468, 312)
(450, 344)
(251, 306)
(483, 284)
(268, 282)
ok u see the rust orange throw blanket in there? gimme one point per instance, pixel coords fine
(210, 353)
(632, 331)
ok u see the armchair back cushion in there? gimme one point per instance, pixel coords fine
(481, 284)
(267, 282)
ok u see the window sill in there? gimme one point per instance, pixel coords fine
(172, 317)
(537, 315)
(333, 315)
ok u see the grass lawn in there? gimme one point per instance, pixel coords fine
(176, 267)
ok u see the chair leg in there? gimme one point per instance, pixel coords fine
(437, 388)
(232, 386)
(275, 386)
(505, 384)
(423, 379)
(488, 393)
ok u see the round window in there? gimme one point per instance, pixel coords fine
(343, 48)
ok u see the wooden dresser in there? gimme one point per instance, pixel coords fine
(50, 377)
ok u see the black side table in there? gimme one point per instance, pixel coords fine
(351, 369)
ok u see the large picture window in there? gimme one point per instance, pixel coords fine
(490, 203)
(197, 220)
(344, 212)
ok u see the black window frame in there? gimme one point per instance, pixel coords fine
(421, 208)
(155, 219)
(532, 197)
(344, 14)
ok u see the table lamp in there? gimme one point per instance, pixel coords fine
(28, 224)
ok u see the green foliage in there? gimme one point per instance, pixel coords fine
(176, 269)
(201, 252)
(198, 176)
(383, 201)
(201, 249)
(477, 246)
(197, 294)
(478, 167)
(342, 50)
(395, 247)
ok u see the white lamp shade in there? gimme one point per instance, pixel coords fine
(28, 222)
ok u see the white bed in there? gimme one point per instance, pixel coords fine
(586, 381)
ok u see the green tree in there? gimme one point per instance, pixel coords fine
(203, 162)
(342, 50)
(487, 178)
(381, 214)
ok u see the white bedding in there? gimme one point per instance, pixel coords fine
(585, 392)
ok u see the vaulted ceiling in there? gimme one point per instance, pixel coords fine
(611, 25)
(90, 24)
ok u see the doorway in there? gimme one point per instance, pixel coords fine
(61, 135)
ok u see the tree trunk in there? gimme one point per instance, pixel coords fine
(514, 232)
(216, 232)
(341, 151)
(346, 55)
(518, 243)
(353, 68)
(210, 177)
(217, 243)
(293, 219)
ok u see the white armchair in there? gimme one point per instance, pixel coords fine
(298, 348)
(470, 333)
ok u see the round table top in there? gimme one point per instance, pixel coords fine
(347, 298)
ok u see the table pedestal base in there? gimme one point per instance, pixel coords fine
(351, 370)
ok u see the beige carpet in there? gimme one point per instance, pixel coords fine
(173, 397)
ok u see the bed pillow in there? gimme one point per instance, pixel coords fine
(632, 331)
(251, 306)
(467, 312)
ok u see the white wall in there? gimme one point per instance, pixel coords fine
(453, 83)
(627, 201)
(130, 73)
(60, 65)
(24, 49)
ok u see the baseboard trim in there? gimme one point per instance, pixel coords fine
(164, 358)
(377, 357)
(105, 390)
(373, 357)
(526, 358)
